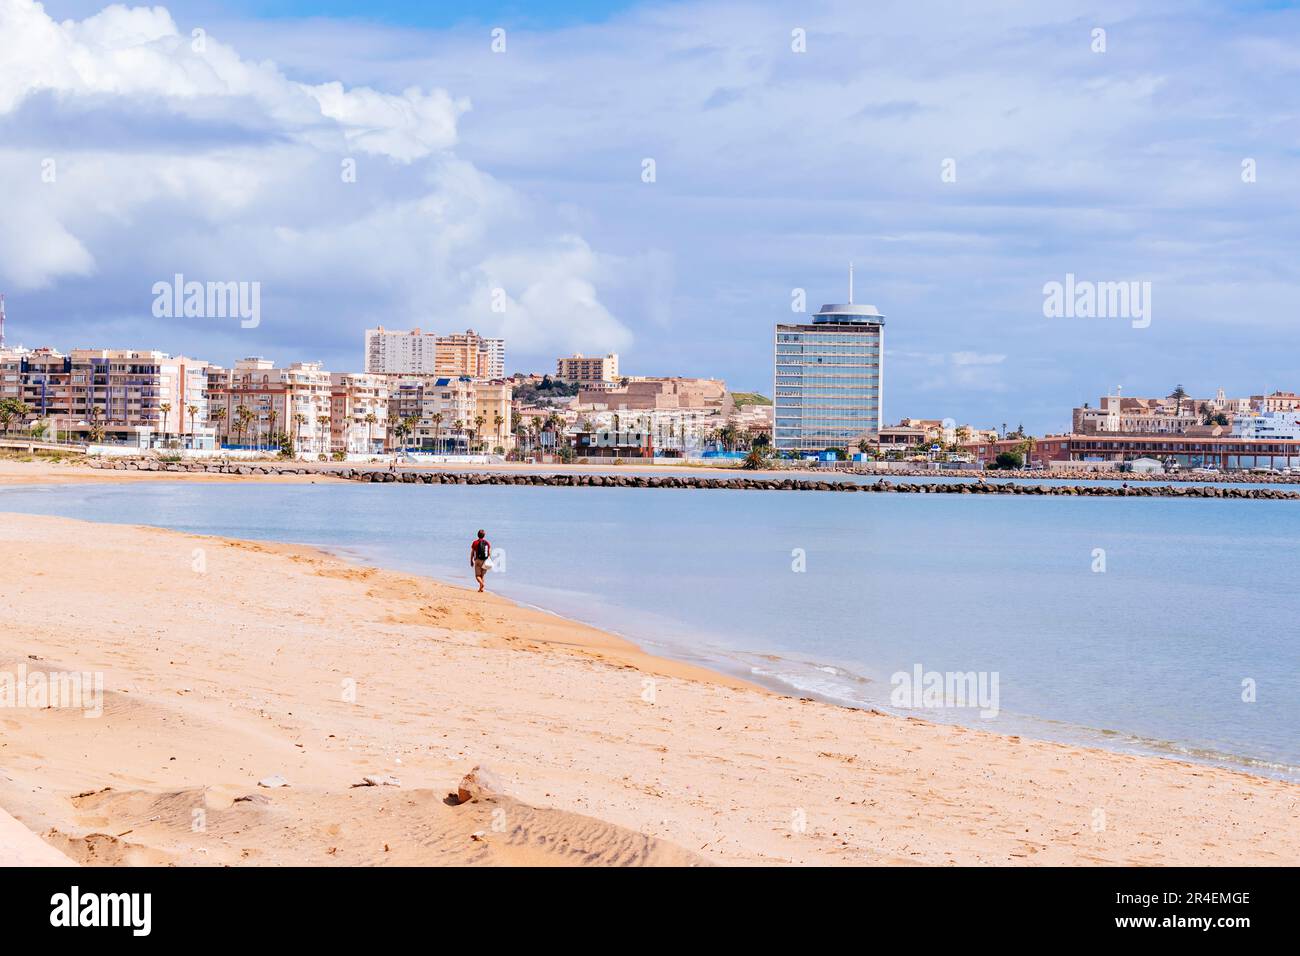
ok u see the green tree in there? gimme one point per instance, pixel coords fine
(1026, 448)
(436, 418)
(10, 408)
(371, 419)
(217, 416)
(299, 419)
(400, 431)
(243, 417)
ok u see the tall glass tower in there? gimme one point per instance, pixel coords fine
(829, 373)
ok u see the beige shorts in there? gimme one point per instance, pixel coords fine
(479, 568)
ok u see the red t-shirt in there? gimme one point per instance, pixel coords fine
(478, 543)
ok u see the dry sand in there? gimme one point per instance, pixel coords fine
(217, 680)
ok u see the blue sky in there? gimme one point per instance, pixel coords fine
(521, 171)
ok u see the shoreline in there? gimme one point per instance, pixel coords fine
(740, 667)
(243, 672)
(749, 668)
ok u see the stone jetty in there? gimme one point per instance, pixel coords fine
(740, 482)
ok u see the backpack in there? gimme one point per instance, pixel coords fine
(480, 549)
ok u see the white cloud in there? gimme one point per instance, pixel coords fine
(225, 168)
(977, 358)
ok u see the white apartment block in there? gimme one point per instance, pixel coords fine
(358, 413)
(494, 352)
(391, 352)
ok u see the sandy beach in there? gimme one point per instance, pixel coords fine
(228, 663)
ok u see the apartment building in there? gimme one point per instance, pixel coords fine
(358, 412)
(492, 360)
(415, 352)
(593, 371)
(253, 403)
(492, 410)
(450, 415)
(468, 353)
(122, 395)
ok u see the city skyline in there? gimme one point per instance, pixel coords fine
(940, 183)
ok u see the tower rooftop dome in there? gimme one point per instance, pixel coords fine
(848, 312)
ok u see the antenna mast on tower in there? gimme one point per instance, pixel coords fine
(850, 282)
(2, 320)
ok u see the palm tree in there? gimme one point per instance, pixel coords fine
(436, 418)
(497, 421)
(217, 416)
(165, 408)
(1027, 447)
(194, 414)
(411, 421)
(325, 439)
(299, 419)
(479, 420)
(243, 418)
(457, 427)
(271, 417)
(371, 418)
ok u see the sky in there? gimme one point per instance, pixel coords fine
(669, 181)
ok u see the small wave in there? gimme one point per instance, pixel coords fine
(835, 684)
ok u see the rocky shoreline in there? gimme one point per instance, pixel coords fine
(739, 483)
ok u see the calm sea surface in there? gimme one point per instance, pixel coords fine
(1196, 605)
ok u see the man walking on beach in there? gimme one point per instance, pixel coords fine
(480, 549)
